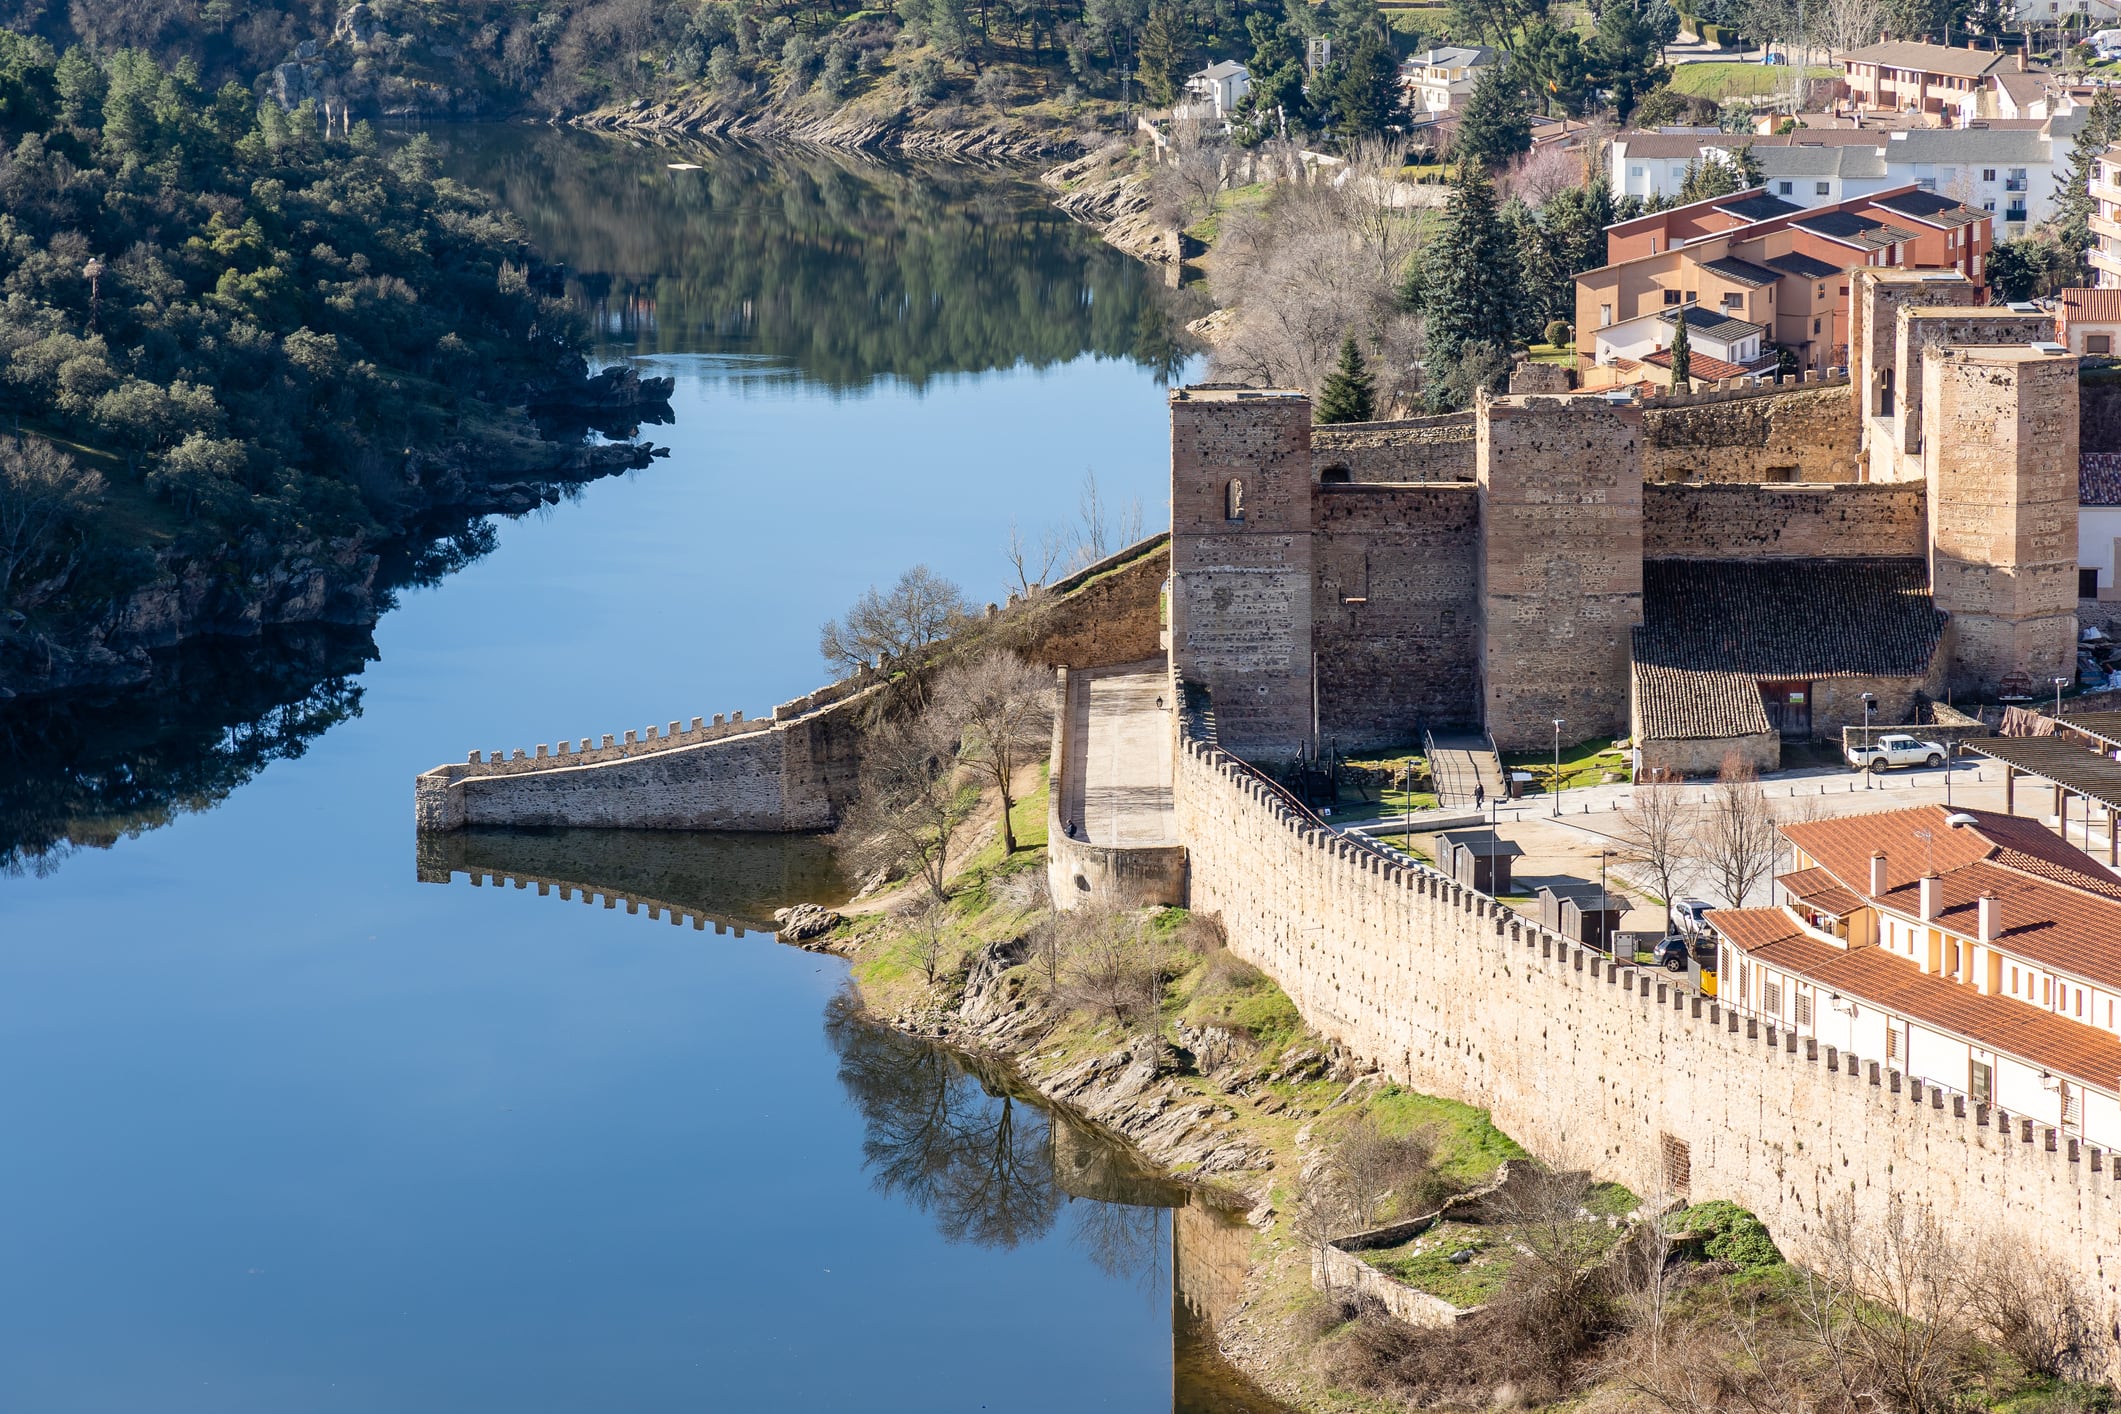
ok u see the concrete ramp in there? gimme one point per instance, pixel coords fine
(1112, 832)
(1460, 760)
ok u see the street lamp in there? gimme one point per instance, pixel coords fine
(2059, 683)
(1870, 704)
(1557, 766)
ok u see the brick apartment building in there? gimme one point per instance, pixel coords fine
(1969, 950)
(1755, 259)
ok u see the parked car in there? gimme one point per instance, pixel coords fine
(1689, 914)
(1673, 952)
(1894, 749)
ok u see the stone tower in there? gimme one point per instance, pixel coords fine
(1241, 524)
(1560, 564)
(1999, 455)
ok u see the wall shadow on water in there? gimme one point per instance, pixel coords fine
(965, 1141)
(698, 877)
(833, 268)
(86, 769)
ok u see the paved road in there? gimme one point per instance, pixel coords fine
(1116, 781)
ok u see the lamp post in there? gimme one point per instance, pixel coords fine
(1605, 922)
(1870, 704)
(1557, 766)
(2059, 683)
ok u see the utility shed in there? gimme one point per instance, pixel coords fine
(1586, 913)
(1478, 859)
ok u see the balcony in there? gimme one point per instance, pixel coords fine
(2105, 191)
(2015, 184)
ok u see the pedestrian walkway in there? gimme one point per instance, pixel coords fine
(1459, 761)
(1116, 778)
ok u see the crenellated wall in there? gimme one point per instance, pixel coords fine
(1739, 522)
(1453, 994)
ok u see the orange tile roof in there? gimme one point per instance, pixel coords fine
(1698, 365)
(1821, 890)
(1872, 975)
(2060, 908)
(2090, 306)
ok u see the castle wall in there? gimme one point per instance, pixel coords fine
(1560, 570)
(1877, 295)
(1803, 433)
(1737, 522)
(1417, 449)
(1999, 452)
(1396, 618)
(1611, 1069)
(1917, 330)
(1241, 561)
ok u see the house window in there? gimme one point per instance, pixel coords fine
(1733, 301)
(2047, 991)
(1822, 292)
(1981, 1082)
(1637, 171)
(1804, 1008)
(1671, 296)
(1815, 326)
(2098, 343)
(2014, 971)
(1744, 977)
(1988, 174)
(2072, 1105)
(1988, 206)
(1771, 998)
(1785, 188)
(1925, 183)
(1822, 188)
(1234, 500)
(2088, 583)
(1892, 1042)
(1605, 315)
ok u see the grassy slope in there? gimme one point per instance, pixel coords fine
(1722, 80)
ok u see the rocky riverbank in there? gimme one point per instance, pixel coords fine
(876, 129)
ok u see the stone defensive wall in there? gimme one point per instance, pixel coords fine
(1079, 872)
(1796, 430)
(1609, 1067)
(1731, 521)
(1412, 449)
(793, 770)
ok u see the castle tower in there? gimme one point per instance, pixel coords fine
(1999, 455)
(1241, 523)
(1560, 564)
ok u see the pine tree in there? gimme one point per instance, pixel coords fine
(1368, 96)
(1160, 60)
(1496, 125)
(1469, 291)
(1682, 356)
(2073, 207)
(1349, 394)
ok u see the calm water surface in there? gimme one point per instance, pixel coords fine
(287, 1128)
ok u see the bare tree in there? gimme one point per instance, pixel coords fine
(909, 811)
(1848, 24)
(928, 931)
(1888, 1307)
(1736, 838)
(1033, 565)
(2035, 1310)
(1185, 185)
(1560, 1296)
(1657, 832)
(1378, 1171)
(1109, 967)
(920, 609)
(1002, 708)
(43, 493)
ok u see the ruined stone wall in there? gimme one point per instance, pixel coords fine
(1452, 994)
(1560, 565)
(1737, 522)
(1999, 454)
(1110, 612)
(1396, 618)
(1416, 449)
(1917, 330)
(1241, 520)
(1808, 432)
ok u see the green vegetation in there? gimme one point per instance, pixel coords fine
(1720, 80)
(1587, 763)
(1734, 1235)
(1465, 1144)
(256, 334)
(1425, 1264)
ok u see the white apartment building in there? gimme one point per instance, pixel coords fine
(1442, 79)
(1972, 951)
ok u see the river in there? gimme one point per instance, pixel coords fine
(291, 1125)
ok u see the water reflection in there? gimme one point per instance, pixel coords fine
(836, 269)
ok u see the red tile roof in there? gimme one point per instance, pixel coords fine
(2090, 306)
(2060, 908)
(1699, 365)
(1820, 890)
(1872, 975)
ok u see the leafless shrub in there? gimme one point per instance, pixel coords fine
(1001, 710)
(1889, 1309)
(1561, 1295)
(1383, 1174)
(1657, 832)
(928, 935)
(1202, 935)
(909, 813)
(43, 494)
(1108, 965)
(1194, 171)
(1540, 173)
(2036, 1312)
(1033, 565)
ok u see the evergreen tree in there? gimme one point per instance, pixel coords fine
(1349, 394)
(1160, 62)
(1682, 355)
(1368, 98)
(1623, 54)
(1349, 20)
(1567, 239)
(1277, 93)
(1495, 125)
(1554, 69)
(1467, 295)
(1716, 176)
(2073, 208)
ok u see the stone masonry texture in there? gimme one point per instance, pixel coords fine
(1560, 565)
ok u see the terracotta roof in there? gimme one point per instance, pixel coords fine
(1690, 704)
(1820, 890)
(1668, 145)
(2099, 476)
(1699, 365)
(1875, 976)
(1926, 58)
(2060, 908)
(2087, 306)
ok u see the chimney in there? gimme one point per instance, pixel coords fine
(1927, 898)
(1991, 919)
(2021, 58)
(1877, 875)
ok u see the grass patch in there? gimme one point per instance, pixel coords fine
(1587, 763)
(1467, 1145)
(1209, 227)
(1563, 354)
(1425, 1263)
(1722, 79)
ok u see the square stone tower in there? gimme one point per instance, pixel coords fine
(1241, 564)
(1560, 564)
(1999, 455)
